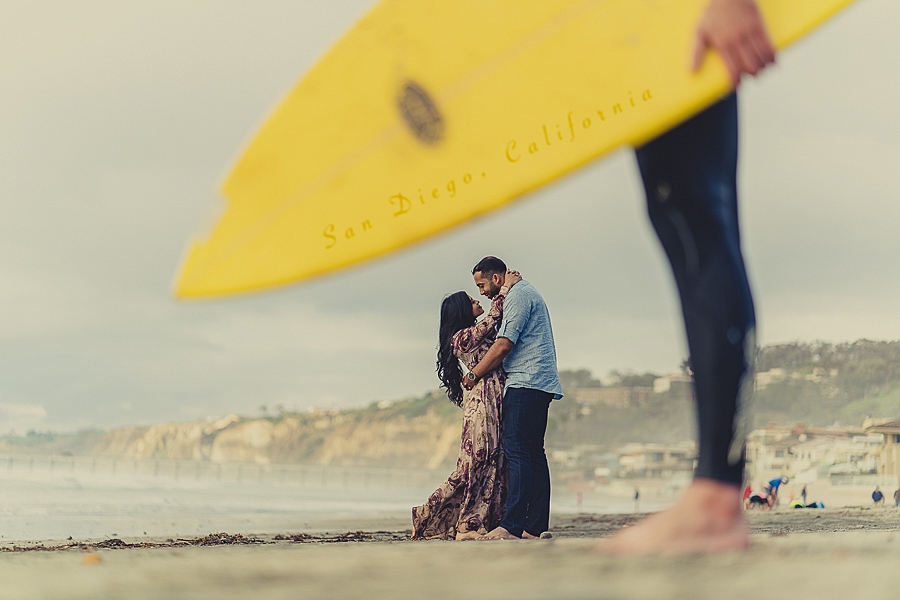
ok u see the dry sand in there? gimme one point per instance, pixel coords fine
(841, 553)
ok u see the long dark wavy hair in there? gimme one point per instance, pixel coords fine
(456, 314)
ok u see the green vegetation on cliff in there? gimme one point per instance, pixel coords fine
(829, 383)
(818, 384)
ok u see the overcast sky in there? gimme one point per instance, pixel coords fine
(119, 120)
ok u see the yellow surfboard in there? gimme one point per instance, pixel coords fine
(429, 113)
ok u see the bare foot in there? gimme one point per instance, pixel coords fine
(528, 536)
(707, 519)
(467, 535)
(498, 533)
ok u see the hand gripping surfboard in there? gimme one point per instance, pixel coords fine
(427, 114)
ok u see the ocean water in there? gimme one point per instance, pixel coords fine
(54, 499)
(96, 499)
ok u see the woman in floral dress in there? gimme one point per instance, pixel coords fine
(472, 500)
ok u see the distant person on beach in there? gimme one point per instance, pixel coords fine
(758, 501)
(803, 494)
(771, 489)
(526, 349)
(471, 501)
(878, 497)
(897, 497)
(689, 175)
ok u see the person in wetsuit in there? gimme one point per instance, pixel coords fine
(689, 175)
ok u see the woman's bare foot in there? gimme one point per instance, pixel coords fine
(498, 533)
(707, 519)
(467, 535)
(528, 536)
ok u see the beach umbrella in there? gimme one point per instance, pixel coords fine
(427, 114)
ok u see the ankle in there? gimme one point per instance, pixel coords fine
(720, 501)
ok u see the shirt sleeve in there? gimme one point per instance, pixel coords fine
(516, 311)
(466, 340)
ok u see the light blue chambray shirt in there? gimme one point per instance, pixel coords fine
(526, 323)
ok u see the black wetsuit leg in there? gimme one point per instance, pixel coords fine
(689, 175)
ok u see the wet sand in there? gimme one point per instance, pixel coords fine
(844, 553)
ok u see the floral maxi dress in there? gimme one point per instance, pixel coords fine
(473, 498)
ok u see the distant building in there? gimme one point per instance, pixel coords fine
(763, 379)
(618, 397)
(656, 460)
(565, 458)
(811, 452)
(777, 375)
(889, 457)
(585, 456)
(667, 383)
(771, 453)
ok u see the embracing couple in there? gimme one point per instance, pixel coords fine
(501, 486)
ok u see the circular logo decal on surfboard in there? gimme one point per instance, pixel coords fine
(420, 113)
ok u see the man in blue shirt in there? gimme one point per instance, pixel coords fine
(525, 347)
(771, 488)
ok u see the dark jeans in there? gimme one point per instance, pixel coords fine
(689, 175)
(528, 496)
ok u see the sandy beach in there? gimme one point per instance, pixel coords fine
(829, 553)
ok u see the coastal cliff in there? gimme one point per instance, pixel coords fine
(413, 433)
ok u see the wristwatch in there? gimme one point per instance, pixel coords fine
(471, 376)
